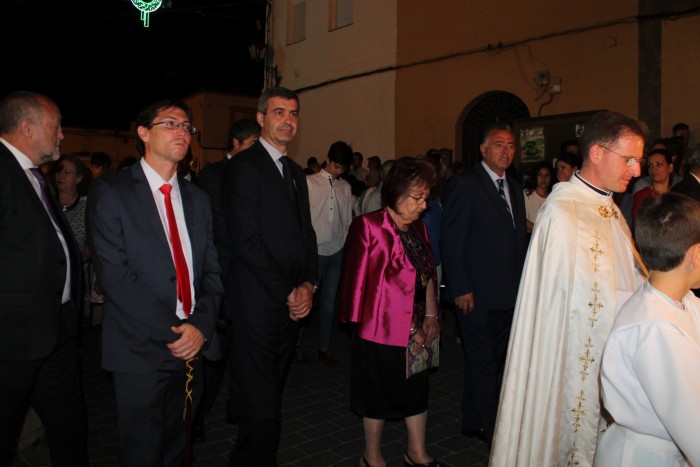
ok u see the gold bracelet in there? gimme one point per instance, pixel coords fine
(433, 316)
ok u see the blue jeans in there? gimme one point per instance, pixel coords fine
(329, 270)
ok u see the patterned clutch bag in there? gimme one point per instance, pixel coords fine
(419, 358)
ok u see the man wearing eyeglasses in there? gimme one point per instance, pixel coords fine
(483, 231)
(272, 272)
(581, 266)
(151, 235)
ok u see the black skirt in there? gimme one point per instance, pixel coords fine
(379, 388)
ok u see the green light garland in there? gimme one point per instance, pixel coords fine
(146, 7)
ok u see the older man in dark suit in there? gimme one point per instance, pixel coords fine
(39, 287)
(271, 278)
(152, 242)
(484, 240)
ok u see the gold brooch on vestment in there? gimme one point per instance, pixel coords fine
(606, 212)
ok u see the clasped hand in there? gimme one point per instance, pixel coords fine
(189, 343)
(300, 300)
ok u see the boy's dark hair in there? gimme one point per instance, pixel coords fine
(242, 130)
(680, 126)
(569, 142)
(340, 152)
(571, 158)
(666, 227)
(100, 159)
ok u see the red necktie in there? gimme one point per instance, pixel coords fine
(184, 293)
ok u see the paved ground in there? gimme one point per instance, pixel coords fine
(318, 430)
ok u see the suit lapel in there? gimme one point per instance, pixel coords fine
(146, 205)
(492, 192)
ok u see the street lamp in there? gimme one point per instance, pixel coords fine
(258, 53)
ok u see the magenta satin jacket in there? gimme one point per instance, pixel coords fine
(378, 282)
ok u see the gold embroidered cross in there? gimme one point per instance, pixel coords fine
(572, 458)
(595, 305)
(578, 411)
(586, 360)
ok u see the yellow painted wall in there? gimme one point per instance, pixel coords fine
(597, 63)
(680, 71)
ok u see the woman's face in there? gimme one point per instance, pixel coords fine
(412, 204)
(565, 171)
(659, 170)
(67, 178)
(544, 178)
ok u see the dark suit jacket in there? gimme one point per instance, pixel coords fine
(481, 250)
(209, 180)
(688, 186)
(273, 242)
(33, 271)
(134, 265)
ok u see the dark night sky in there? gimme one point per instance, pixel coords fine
(99, 63)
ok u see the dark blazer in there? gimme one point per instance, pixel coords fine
(33, 271)
(273, 242)
(209, 180)
(689, 186)
(134, 265)
(482, 252)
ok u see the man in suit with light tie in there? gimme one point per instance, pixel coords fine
(152, 242)
(39, 288)
(484, 237)
(272, 274)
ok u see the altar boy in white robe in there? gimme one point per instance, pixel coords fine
(650, 373)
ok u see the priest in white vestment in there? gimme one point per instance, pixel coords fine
(580, 267)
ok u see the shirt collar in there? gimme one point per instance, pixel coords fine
(592, 187)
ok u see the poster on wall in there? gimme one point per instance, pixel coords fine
(532, 144)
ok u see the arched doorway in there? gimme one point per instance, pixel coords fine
(494, 106)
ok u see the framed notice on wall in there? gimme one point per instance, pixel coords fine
(532, 144)
(539, 138)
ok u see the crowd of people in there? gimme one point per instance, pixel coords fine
(578, 350)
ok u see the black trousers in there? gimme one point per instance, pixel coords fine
(262, 354)
(485, 335)
(150, 417)
(51, 386)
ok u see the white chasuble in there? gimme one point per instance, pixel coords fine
(580, 267)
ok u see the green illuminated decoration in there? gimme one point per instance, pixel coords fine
(146, 7)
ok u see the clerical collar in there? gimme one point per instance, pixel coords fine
(594, 188)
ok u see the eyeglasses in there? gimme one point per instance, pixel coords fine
(421, 199)
(173, 125)
(630, 161)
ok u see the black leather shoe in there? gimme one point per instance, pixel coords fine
(326, 357)
(300, 356)
(408, 462)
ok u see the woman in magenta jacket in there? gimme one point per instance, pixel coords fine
(389, 290)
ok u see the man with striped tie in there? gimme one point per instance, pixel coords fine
(483, 233)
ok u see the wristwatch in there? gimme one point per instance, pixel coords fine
(315, 286)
